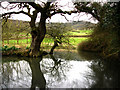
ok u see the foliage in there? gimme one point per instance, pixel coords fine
(6, 34)
(6, 48)
(58, 32)
(82, 25)
(106, 35)
(27, 47)
(14, 29)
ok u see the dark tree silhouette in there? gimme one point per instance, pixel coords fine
(46, 9)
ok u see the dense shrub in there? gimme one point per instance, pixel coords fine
(106, 35)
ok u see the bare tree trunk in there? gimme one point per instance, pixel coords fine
(38, 35)
(2, 42)
(7, 41)
(27, 38)
(35, 45)
(54, 46)
(17, 38)
(17, 41)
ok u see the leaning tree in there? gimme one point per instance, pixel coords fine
(47, 9)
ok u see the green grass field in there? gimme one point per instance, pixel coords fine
(48, 42)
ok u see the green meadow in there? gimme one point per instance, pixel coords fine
(48, 42)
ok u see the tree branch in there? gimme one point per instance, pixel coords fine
(9, 13)
(87, 7)
(47, 5)
(33, 19)
(36, 6)
(63, 12)
(90, 11)
(64, 17)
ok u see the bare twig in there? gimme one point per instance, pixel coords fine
(64, 16)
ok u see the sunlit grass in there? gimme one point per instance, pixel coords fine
(21, 41)
(75, 41)
(48, 42)
(81, 32)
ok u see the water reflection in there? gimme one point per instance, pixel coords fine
(16, 74)
(85, 55)
(50, 72)
(105, 74)
(23, 74)
(38, 79)
(55, 72)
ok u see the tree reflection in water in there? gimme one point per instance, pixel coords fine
(57, 72)
(55, 69)
(38, 79)
(14, 73)
(105, 74)
(20, 74)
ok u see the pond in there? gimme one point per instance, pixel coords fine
(60, 70)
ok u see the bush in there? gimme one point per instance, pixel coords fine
(6, 48)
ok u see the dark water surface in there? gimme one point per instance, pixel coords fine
(61, 70)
